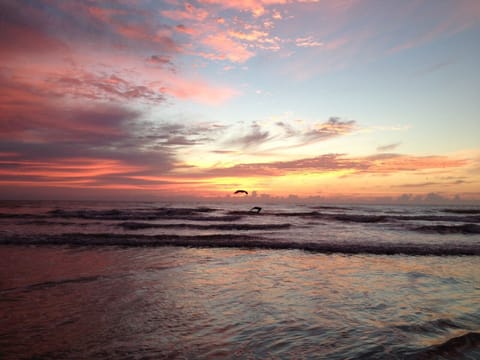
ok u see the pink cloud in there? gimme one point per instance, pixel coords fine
(189, 12)
(226, 48)
(64, 169)
(198, 90)
(256, 7)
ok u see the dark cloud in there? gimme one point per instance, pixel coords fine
(159, 60)
(389, 147)
(104, 87)
(255, 137)
(22, 30)
(432, 183)
(287, 128)
(40, 128)
(223, 151)
(384, 156)
(177, 134)
(332, 128)
(40, 26)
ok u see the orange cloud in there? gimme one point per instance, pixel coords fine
(376, 164)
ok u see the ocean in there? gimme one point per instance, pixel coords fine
(152, 280)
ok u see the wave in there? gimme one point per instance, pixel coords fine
(49, 284)
(211, 214)
(21, 216)
(462, 211)
(466, 346)
(367, 218)
(360, 218)
(449, 229)
(195, 214)
(232, 226)
(239, 241)
(52, 223)
(433, 326)
(331, 207)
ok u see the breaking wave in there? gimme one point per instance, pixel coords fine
(466, 346)
(239, 241)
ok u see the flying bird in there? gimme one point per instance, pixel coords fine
(241, 192)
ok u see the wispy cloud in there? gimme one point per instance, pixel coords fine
(287, 134)
(329, 129)
(389, 147)
(308, 41)
(395, 163)
(254, 138)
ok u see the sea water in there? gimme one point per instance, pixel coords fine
(105, 280)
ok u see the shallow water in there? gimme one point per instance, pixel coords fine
(146, 281)
(170, 302)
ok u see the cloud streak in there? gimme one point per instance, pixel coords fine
(388, 164)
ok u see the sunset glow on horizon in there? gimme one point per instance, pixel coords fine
(336, 99)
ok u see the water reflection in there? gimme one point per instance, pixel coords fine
(231, 303)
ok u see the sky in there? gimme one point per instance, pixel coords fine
(331, 100)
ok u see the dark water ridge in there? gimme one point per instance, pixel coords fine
(232, 226)
(449, 229)
(240, 241)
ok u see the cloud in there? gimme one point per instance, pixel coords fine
(448, 19)
(113, 51)
(394, 163)
(286, 134)
(105, 87)
(287, 128)
(254, 138)
(329, 129)
(226, 48)
(256, 7)
(307, 42)
(159, 60)
(432, 183)
(197, 89)
(389, 147)
(23, 32)
(189, 12)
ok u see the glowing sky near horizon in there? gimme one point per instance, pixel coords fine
(148, 99)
